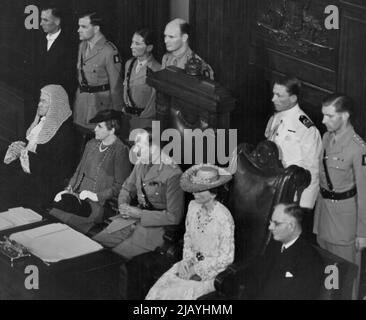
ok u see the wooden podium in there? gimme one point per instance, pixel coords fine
(195, 102)
(189, 102)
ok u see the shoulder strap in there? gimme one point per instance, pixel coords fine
(84, 82)
(128, 78)
(327, 177)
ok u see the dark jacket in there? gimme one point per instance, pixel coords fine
(295, 274)
(58, 65)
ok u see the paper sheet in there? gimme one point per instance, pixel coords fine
(16, 217)
(56, 242)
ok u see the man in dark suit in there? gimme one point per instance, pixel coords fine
(290, 268)
(57, 53)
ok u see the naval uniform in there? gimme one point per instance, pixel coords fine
(299, 143)
(100, 84)
(340, 213)
(180, 61)
(161, 200)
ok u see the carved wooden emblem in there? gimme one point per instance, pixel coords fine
(292, 24)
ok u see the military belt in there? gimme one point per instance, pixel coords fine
(93, 89)
(132, 110)
(326, 194)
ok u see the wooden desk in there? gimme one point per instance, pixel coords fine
(93, 276)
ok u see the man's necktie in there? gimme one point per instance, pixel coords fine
(139, 66)
(48, 42)
(88, 50)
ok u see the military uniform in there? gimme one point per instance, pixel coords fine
(169, 59)
(100, 84)
(138, 96)
(299, 143)
(157, 189)
(340, 213)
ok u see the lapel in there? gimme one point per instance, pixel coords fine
(153, 172)
(96, 49)
(143, 70)
(54, 44)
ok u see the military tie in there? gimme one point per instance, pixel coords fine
(88, 50)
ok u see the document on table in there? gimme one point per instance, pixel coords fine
(16, 217)
(55, 242)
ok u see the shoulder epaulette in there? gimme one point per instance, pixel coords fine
(306, 121)
(112, 45)
(359, 140)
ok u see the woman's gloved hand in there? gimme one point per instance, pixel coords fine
(59, 195)
(88, 194)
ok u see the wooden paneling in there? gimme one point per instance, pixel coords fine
(12, 115)
(352, 63)
(251, 43)
(136, 14)
(220, 35)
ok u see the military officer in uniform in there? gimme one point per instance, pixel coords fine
(99, 66)
(176, 36)
(340, 213)
(155, 181)
(295, 135)
(138, 96)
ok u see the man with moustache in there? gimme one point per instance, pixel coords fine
(99, 67)
(176, 36)
(340, 213)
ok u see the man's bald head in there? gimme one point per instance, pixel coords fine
(176, 35)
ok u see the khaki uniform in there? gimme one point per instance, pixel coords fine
(101, 67)
(180, 61)
(339, 222)
(142, 94)
(299, 143)
(161, 186)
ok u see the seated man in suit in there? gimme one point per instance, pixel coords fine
(155, 181)
(290, 268)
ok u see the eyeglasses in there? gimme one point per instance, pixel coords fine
(277, 223)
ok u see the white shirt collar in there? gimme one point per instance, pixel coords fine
(53, 36)
(289, 113)
(290, 243)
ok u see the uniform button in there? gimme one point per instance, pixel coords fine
(156, 193)
(276, 134)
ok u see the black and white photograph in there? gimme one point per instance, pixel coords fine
(158, 150)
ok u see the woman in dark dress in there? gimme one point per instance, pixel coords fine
(99, 176)
(43, 164)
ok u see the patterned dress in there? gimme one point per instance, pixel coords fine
(209, 242)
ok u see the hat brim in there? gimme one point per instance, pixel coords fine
(187, 185)
(116, 115)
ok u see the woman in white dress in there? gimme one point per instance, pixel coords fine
(208, 240)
